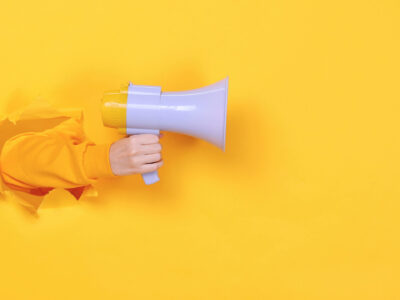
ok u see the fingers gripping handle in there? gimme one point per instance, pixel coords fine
(152, 177)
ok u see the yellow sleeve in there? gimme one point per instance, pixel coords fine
(60, 157)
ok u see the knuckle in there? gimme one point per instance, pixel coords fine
(133, 151)
(133, 140)
(146, 169)
(131, 148)
(152, 168)
(133, 160)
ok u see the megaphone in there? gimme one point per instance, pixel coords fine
(138, 109)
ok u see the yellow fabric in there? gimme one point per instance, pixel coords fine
(60, 156)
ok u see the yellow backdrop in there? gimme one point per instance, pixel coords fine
(304, 203)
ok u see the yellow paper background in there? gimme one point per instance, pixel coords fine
(305, 202)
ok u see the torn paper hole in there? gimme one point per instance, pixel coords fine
(38, 117)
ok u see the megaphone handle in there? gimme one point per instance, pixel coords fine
(151, 177)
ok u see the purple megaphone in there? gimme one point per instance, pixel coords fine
(142, 109)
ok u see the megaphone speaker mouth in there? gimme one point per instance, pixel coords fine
(225, 112)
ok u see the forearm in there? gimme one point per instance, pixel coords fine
(61, 157)
(51, 160)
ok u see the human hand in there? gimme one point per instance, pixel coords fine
(136, 154)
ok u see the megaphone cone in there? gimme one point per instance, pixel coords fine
(200, 113)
